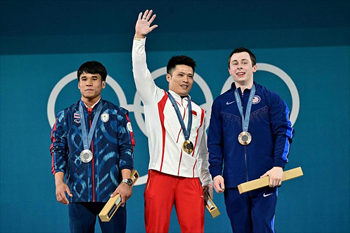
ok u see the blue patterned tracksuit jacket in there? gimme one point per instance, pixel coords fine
(271, 133)
(112, 147)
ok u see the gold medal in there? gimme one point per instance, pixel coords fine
(86, 156)
(244, 138)
(187, 146)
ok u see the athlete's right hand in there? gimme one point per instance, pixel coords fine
(219, 184)
(61, 190)
(143, 24)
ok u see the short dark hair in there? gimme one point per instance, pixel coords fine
(180, 60)
(240, 50)
(93, 67)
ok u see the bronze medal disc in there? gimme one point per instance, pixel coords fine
(244, 138)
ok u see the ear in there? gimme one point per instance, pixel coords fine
(229, 71)
(103, 84)
(255, 68)
(168, 77)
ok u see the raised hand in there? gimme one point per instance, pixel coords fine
(143, 24)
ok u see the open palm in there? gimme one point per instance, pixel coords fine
(143, 24)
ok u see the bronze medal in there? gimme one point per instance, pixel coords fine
(244, 138)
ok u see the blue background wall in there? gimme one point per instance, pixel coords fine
(41, 42)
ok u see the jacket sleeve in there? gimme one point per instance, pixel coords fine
(146, 88)
(126, 141)
(203, 158)
(215, 142)
(59, 148)
(282, 129)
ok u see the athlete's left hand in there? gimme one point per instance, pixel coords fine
(124, 190)
(276, 175)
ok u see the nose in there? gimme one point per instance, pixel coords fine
(89, 82)
(186, 79)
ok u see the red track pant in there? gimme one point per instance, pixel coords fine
(162, 192)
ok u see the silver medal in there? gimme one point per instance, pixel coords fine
(86, 156)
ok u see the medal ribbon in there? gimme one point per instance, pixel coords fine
(245, 120)
(87, 138)
(189, 124)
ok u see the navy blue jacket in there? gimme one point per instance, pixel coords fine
(112, 147)
(269, 126)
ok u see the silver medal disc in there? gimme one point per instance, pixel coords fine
(86, 156)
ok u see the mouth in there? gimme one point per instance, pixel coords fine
(184, 86)
(89, 90)
(240, 74)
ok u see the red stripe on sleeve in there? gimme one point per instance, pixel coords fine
(161, 106)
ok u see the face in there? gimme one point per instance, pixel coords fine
(90, 86)
(241, 68)
(181, 80)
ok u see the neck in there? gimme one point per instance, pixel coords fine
(243, 86)
(90, 103)
(181, 95)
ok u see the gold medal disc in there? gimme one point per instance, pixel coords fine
(244, 138)
(187, 146)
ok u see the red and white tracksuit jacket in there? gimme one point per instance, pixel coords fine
(165, 136)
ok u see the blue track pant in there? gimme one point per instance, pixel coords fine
(82, 218)
(252, 212)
